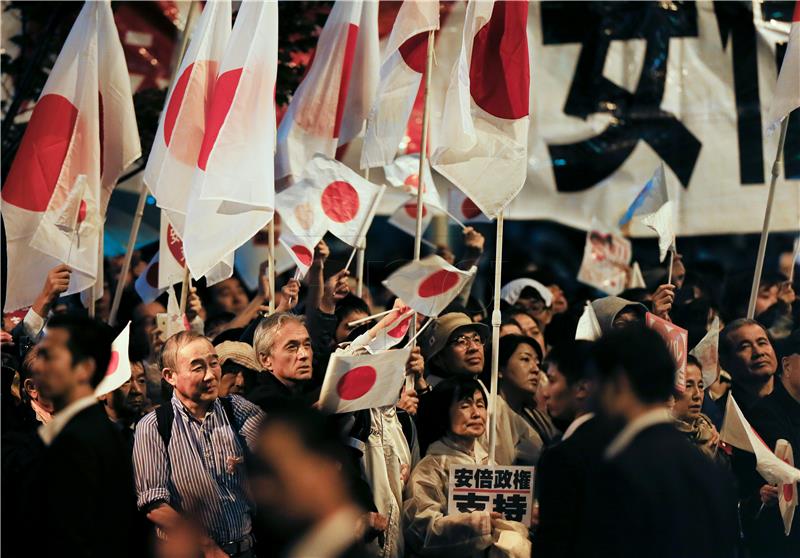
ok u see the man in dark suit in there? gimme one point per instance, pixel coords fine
(83, 481)
(656, 495)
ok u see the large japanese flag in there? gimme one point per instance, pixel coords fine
(787, 90)
(400, 77)
(233, 191)
(483, 142)
(428, 285)
(707, 353)
(737, 432)
(314, 120)
(787, 493)
(653, 208)
(61, 151)
(146, 284)
(346, 200)
(360, 382)
(394, 332)
(403, 173)
(119, 366)
(173, 159)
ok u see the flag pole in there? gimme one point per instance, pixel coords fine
(185, 288)
(137, 218)
(498, 264)
(795, 255)
(362, 232)
(671, 261)
(423, 155)
(777, 170)
(271, 264)
(362, 248)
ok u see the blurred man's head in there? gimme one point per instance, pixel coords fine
(190, 365)
(572, 383)
(227, 296)
(746, 352)
(790, 363)
(72, 358)
(283, 346)
(137, 395)
(349, 309)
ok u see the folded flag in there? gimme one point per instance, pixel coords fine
(146, 284)
(428, 285)
(393, 333)
(707, 352)
(588, 325)
(353, 383)
(786, 97)
(787, 493)
(653, 208)
(301, 249)
(463, 208)
(119, 366)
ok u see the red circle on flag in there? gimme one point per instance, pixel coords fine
(356, 382)
(411, 210)
(35, 169)
(412, 180)
(224, 91)
(175, 245)
(499, 73)
(340, 201)
(303, 254)
(415, 51)
(152, 276)
(82, 211)
(400, 329)
(788, 492)
(113, 363)
(437, 283)
(469, 209)
(175, 101)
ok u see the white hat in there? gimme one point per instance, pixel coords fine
(511, 291)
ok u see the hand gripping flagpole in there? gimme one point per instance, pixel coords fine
(777, 170)
(498, 265)
(423, 156)
(137, 217)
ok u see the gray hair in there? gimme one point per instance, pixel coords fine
(268, 328)
(169, 352)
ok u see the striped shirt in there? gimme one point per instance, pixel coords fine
(202, 474)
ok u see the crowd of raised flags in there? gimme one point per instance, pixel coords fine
(221, 169)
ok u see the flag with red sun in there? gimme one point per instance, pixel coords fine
(463, 208)
(300, 248)
(356, 382)
(404, 173)
(428, 285)
(393, 333)
(787, 493)
(482, 145)
(147, 283)
(405, 216)
(254, 252)
(119, 367)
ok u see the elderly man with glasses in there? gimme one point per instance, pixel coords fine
(453, 346)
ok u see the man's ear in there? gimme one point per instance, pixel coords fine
(265, 361)
(30, 388)
(169, 376)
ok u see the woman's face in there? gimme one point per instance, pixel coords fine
(530, 328)
(688, 404)
(468, 416)
(521, 372)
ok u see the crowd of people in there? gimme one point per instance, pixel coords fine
(216, 446)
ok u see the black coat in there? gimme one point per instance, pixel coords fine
(85, 500)
(562, 476)
(661, 497)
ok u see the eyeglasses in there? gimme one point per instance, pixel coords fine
(464, 341)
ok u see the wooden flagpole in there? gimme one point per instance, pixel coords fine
(498, 265)
(362, 248)
(271, 265)
(777, 170)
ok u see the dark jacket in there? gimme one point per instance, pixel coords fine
(660, 497)
(85, 500)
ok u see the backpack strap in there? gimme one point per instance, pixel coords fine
(227, 406)
(165, 416)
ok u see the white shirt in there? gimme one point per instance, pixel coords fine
(49, 431)
(575, 424)
(642, 422)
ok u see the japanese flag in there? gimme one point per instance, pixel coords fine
(653, 208)
(353, 383)
(254, 252)
(300, 209)
(405, 216)
(314, 121)
(393, 333)
(300, 248)
(737, 432)
(483, 139)
(233, 192)
(58, 166)
(346, 200)
(588, 326)
(147, 283)
(428, 285)
(172, 261)
(119, 366)
(707, 352)
(176, 146)
(463, 208)
(400, 77)
(404, 173)
(787, 493)
(787, 91)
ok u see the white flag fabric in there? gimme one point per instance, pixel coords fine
(787, 91)
(588, 326)
(254, 252)
(146, 284)
(428, 285)
(172, 260)
(233, 193)
(404, 173)
(393, 333)
(353, 383)
(300, 209)
(61, 150)
(312, 123)
(707, 352)
(119, 366)
(463, 208)
(300, 248)
(653, 208)
(637, 279)
(176, 319)
(737, 432)
(181, 128)
(405, 216)
(400, 76)
(787, 493)
(483, 141)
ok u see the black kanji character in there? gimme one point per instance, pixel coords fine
(470, 501)
(502, 479)
(522, 480)
(484, 478)
(512, 506)
(463, 478)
